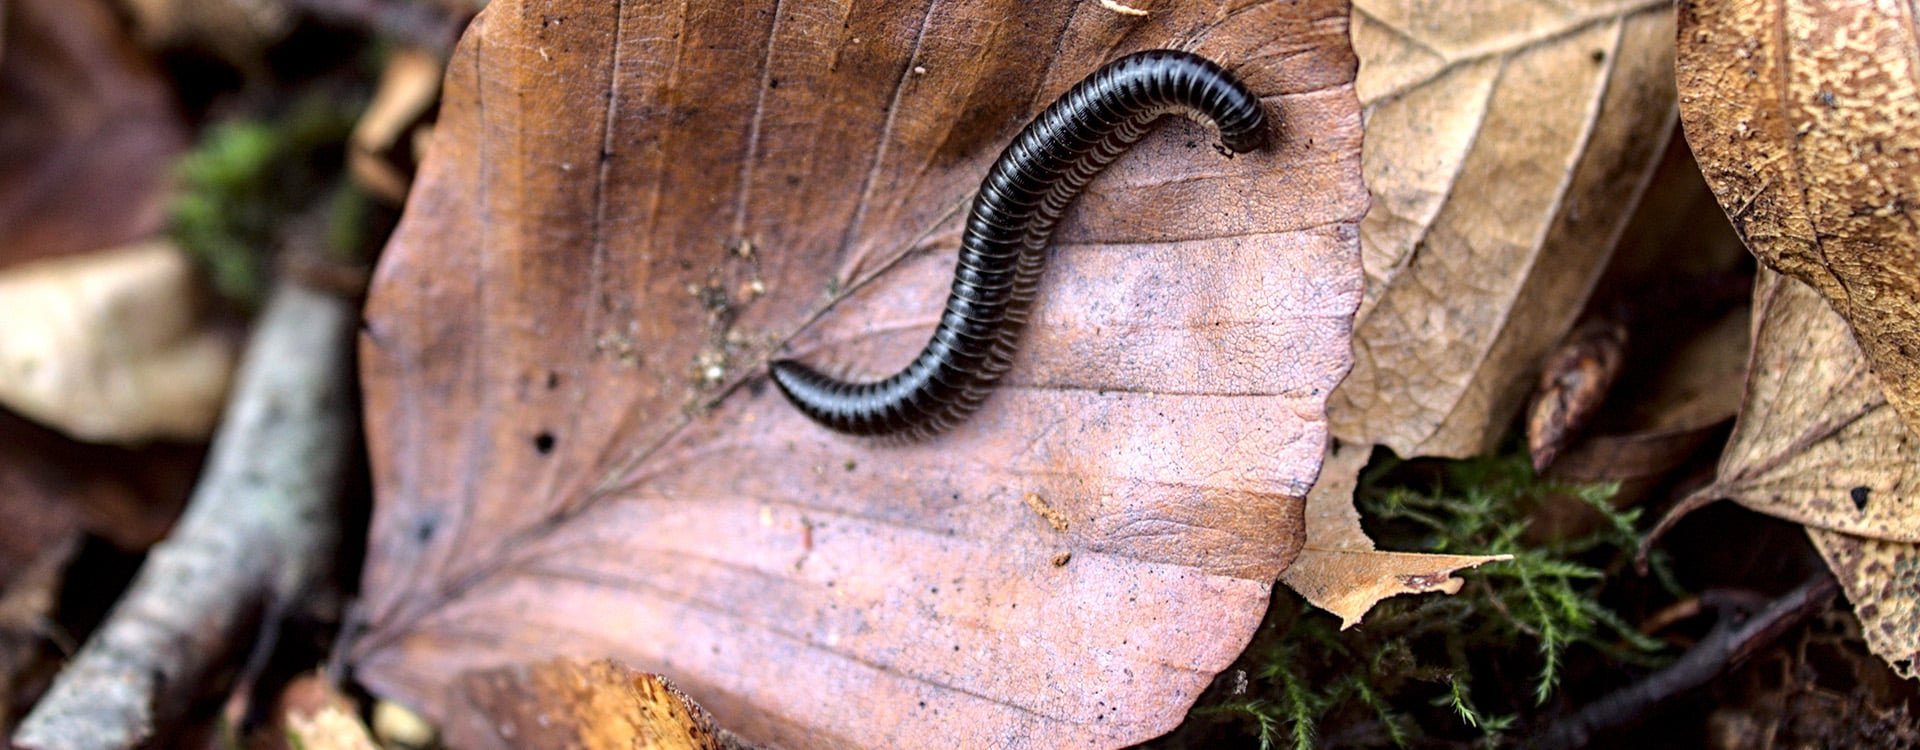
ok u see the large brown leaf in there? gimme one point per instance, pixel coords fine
(627, 210)
(1503, 141)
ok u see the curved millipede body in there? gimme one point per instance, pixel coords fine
(1004, 248)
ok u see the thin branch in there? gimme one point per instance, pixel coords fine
(261, 527)
(1737, 635)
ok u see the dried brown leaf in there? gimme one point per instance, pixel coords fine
(593, 705)
(29, 595)
(1574, 383)
(1339, 570)
(1694, 393)
(1501, 140)
(1806, 120)
(624, 214)
(88, 131)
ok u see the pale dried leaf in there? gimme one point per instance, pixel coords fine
(1338, 569)
(110, 346)
(1503, 140)
(1816, 442)
(330, 728)
(1806, 120)
(409, 88)
(400, 727)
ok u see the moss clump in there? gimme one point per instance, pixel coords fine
(243, 181)
(1431, 670)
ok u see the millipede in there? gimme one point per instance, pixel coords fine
(1004, 248)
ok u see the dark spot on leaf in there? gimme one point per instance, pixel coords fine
(424, 528)
(543, 442)
(1860, 496)
(773, 83)
(851, 465)
(553, 380)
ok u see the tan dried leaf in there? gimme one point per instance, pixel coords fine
(409, 89)
(1338, 569)
(1882, 580)
(1806, 119)
(629, 208)
(110, 346)
(1816, 442)
(1503, 141)
(592, 705)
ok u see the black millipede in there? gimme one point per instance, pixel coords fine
(1004, 248)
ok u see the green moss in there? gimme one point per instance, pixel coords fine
(245, 178)
(1435, 669)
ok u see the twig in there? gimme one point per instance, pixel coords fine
(1736, 635)
(261, 527)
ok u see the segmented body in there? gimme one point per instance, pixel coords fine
(1004, 249)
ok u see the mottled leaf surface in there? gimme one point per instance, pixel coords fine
(1806, 119)
(627, 210)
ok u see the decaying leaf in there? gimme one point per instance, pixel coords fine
(1693, 394)
(1339, 570)
(1817, 443)
(594, 705)
(627, 210)
(110, 346)
(53, 487)
(1503, 141)
(1806, 120)
(1878, 577)
(88, 130)
(1574, 382)
(313, 715)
